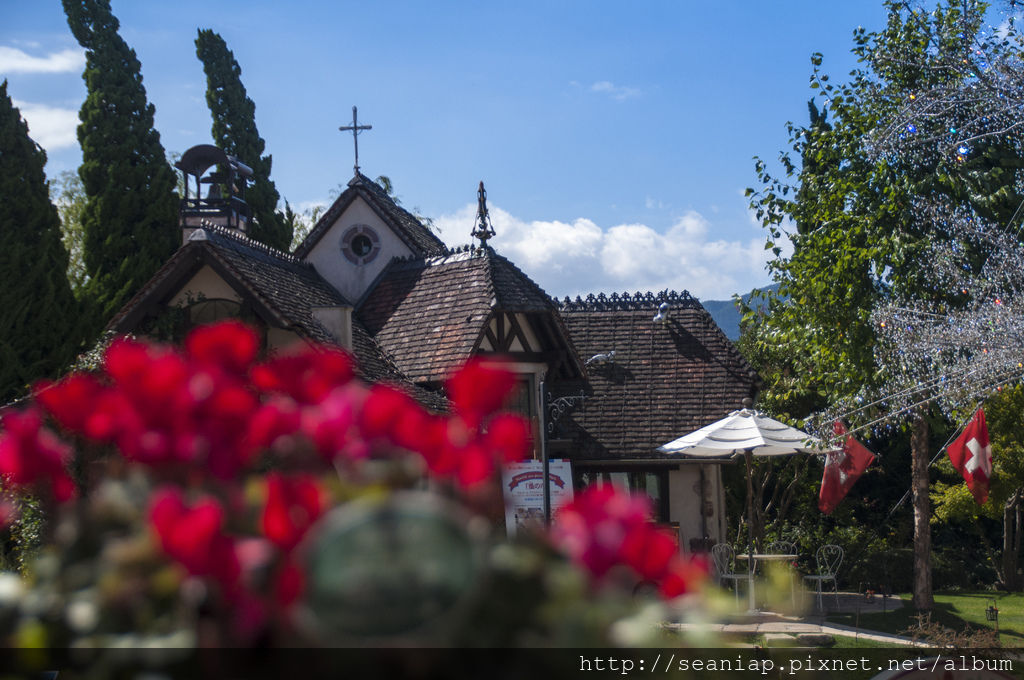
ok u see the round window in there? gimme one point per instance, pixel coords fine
(360, 244)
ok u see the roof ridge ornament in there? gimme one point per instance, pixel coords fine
(630, 301)
(482, 228)
(355, 128)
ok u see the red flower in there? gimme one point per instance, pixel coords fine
(684, 575)
(508, 437)
(194, 535)
(385, 411)
(32, 455)
(72, 402)
(289, 584)
(277, 418)
(479, 389)
(307, 376)
(475, 464)
(649, 551)
(230, 345)
(293, 505)
(604, 527)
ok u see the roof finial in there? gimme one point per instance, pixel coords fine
(482, 228)
(355, 128)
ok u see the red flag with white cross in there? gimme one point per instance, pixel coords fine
(843, 467)
(971, 455)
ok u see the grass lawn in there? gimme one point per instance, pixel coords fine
(955, 610)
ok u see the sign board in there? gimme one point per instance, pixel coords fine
(522, 484)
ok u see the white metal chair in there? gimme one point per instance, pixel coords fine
(786, 548)
(828, 557)
(724, 558)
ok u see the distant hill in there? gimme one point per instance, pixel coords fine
(727, 315)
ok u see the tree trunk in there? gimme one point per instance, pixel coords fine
(1011, 541)
(922, 513)
(1011, 538)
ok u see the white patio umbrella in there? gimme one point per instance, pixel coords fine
(748, 433)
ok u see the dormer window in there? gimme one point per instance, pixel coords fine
(360, 244)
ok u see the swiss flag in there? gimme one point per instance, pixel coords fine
(842, 468)
(971, 454)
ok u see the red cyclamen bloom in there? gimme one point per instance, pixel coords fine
(307, 375)
(293, 505)
(194, 536)
(159, 406)
(604, 527)
(230, 346)
(32, 455)
(479, 389)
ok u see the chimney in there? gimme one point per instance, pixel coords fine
(338, 322)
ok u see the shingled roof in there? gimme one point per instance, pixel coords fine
(666, 379)
(429, 314)
(279, 286)
(422, 241)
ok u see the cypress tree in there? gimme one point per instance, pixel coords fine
(130, 216)
(37, 308)
(234, 130)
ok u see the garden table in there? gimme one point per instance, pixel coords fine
(762, 557)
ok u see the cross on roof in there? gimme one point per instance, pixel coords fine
(355, 128)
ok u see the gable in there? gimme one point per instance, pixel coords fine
(206, 284)
(510, 332)
(431, 315)
(338, 263)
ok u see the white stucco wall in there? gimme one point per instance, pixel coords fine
(206, 284)
(349, 278)
(517, 346)
(685, 502)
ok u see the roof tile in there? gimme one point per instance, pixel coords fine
(666, 379)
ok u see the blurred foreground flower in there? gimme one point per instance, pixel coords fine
(604, 527)
(215, 491)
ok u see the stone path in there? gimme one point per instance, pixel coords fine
(810, 629)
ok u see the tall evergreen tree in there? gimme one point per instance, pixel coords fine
(37, 308)
(130, 216)
(234, 130)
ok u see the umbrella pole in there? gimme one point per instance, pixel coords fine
(749, 457)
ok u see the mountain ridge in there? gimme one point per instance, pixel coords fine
(726, 313)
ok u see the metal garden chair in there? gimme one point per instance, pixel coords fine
(724, 558)
(828, 557)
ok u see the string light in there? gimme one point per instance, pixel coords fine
(961, 337)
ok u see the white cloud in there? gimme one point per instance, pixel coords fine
(51, 127)
(13, 60)
(580, 257)
(308, 207)
(614, 91)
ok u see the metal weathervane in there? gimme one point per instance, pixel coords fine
(355, 128)
(482, 228)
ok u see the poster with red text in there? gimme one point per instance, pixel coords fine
(522, 484)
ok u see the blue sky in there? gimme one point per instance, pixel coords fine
(615, 139)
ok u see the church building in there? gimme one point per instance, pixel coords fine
(605, 380)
